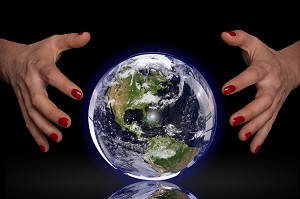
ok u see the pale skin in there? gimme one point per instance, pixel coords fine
(29, 69)
(274, 73)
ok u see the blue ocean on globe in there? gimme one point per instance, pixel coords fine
(152, 116)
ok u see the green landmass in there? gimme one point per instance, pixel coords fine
(132, 92)
(170, 194)
(166, 154)
(164, 193)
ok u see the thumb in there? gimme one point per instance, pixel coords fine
(240, 38)
(72, 40)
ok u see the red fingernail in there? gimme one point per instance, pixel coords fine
(76, 93)
(63, 121)
(54, 137)
(80, 33)
(257, 149)
(231, 33)
(229, 89)
(247, 135)
(43, 148)
(238, 120)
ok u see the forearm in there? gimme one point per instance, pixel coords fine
(7, 55)
(292, 53)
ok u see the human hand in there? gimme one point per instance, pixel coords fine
(273, 73)
(29, 69)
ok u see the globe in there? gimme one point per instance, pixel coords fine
(152, 116)
(152, 190)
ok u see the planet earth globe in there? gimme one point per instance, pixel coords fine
(152, 116)
(152, 190)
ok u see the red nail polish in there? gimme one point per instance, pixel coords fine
(42, 148)
(80, 33)
(76, 93)
(231, 33)
(54, 137)
(229, 89)
(63, 121)
(247, 135)
(238, 120)
(257, 149)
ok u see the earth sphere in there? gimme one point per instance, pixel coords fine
(152, 116)
(152, 190)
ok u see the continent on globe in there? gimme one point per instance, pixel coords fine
(152, 116)
(166, 154)
(135, 90)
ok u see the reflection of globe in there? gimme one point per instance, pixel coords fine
(152, 190)
(152, 116)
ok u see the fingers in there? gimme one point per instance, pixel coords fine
(34, 131)
(38, 99)
(258, 116)
(39, 112)
(248, 77)
(262, 103)
(262, 134)
(52, 75)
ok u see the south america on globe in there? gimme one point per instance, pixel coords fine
(152, 116)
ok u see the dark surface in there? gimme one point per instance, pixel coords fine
(74, 168)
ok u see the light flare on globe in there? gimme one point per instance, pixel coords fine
(152, 116)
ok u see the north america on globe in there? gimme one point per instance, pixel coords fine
(152, 116)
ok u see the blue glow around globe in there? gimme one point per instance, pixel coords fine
(152, 116)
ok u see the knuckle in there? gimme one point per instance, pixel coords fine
(269, 114)
(31, 112)
(267, 66)
(248, 113)
(52, 112)
(35, 63)
(277, 83)
(255, 71)
(268, 99)
(35, 100)
(49, 75)
(255, 126)
(53, 37)
(27, 79)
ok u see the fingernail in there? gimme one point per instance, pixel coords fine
(76, 93)
(80, 33)
(257, 149)
(43, 148)
(238, 120)
(229, 89)
(54, 137)
(231, 33)
(63, 121)
(247, 135)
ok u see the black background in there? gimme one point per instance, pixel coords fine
(75, 169)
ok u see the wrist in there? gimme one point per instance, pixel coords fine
(9, 51)
(292, 55)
